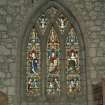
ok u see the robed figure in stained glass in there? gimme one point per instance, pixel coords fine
(72, 61)
(53, 63)
(33, 60)
(53, 46)
(34, 63)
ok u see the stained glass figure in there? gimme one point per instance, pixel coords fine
(33, 65)
(62, 22)
(73, 83)
(72, 63)
(53, 62)
(42, 22)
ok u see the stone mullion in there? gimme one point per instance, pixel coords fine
(43, 69)
(64, 64)
(62, 67)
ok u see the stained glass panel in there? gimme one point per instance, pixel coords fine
(42, 23)
(33, 78)
(53, 64)
(62, 22)
(72, 63)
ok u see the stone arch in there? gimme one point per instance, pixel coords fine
(77, 27)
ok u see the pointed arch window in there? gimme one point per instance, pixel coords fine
(52, 62)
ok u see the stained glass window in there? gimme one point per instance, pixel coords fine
(72, 63)
(33, 78)
(53, 64)
(61, 65)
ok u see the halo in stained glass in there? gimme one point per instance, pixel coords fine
(33, 79)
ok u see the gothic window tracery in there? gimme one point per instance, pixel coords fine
(52, 23)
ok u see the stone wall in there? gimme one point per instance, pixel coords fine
(14, 18)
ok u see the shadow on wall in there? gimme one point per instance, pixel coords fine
(3, 99)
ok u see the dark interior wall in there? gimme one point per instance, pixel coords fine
(15, 16)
